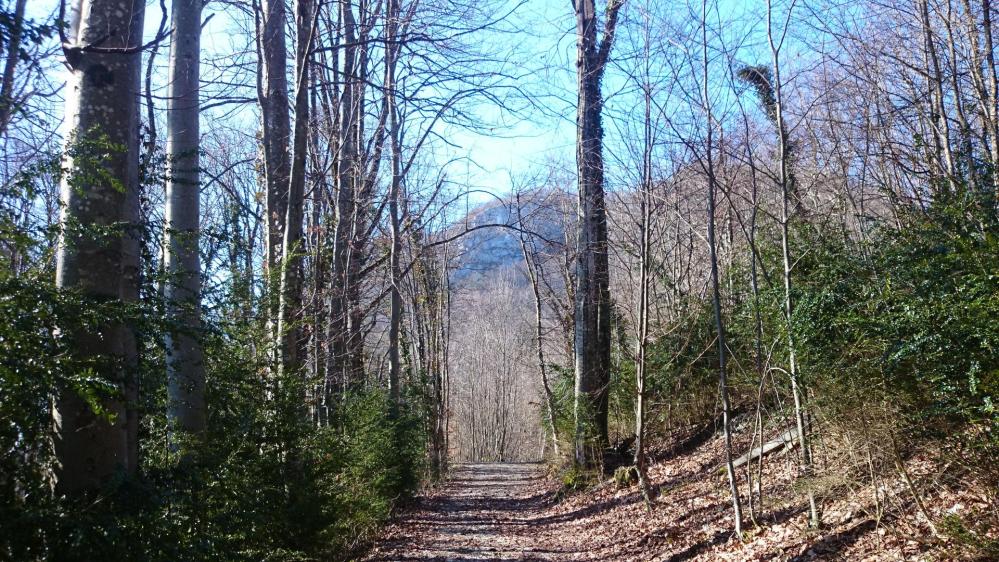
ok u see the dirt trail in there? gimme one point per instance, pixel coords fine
(484, 512)
(509, 512)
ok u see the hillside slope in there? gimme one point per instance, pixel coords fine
(543, 214)
(511, 512)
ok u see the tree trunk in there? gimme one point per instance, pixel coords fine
(591, 348)
(785, 179)
(934, 79)
(539, 341)
(395, 196)
(272, 87)
(715, 290)
(439, 450)
(7, 101)
(289, 308)
(642, 341)
(184, 356)
(347, 173)
(102, 158)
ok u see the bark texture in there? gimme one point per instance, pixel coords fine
(102, 162)
(273, 93)
(592, 294)
(395, 205)
(291, 255)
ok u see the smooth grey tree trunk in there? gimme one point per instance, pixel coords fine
(364, 184)
(591, 348)
(348, 171)
(722, 359)
(101, 160)
(184, 356)
(644, 281)
(934, 84)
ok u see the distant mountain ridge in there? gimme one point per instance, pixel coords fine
(490, 250)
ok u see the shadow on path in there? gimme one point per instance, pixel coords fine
(484, 512)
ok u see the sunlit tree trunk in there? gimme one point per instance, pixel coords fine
(532, 275)
(785, 178)
(346, 202)
(991, 100)
(712, 187)
(102, 171)
(367, 161)
(290, 358)
(395, 196)
(272, 91)
(644, 255)
(184, 356)
(444, 389)
(934, 84)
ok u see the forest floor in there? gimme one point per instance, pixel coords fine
(514, 512)
(483, 512)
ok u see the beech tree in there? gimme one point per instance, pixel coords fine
(101, 162)
(184, 357)
(784, 231)
(396, 201)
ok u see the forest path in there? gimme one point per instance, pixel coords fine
(483, 512)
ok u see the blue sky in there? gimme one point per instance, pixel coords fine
(542, 48)
(539, 42)
(483, 159)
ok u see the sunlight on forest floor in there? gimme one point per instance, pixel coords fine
(513, 512)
